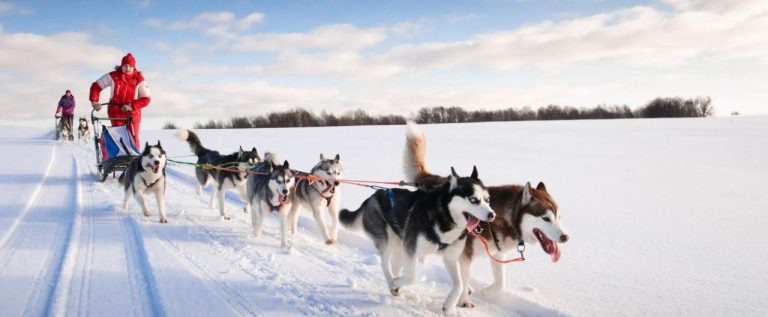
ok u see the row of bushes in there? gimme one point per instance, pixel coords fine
(657, 108)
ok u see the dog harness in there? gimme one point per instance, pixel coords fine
(149, 185)
(329, 187)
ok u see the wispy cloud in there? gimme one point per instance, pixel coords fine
(6, 7)
(223, 24)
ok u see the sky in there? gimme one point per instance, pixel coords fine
(205, 59)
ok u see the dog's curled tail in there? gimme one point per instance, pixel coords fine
(353, 219)
(415, 151)
(194, 142)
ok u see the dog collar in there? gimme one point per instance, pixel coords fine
(149, 185)
(269, 202)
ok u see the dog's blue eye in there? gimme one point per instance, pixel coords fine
(473, 200)
(546, 219)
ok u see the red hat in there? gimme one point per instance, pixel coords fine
(128, 59)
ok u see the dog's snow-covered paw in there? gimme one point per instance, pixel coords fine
(147, 214)
(163, 220)
(395, 291)
(491, 290)
(330, 242)
(246, 210)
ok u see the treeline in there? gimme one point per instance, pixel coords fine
(658, 108)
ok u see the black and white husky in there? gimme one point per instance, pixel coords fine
(146, 173)
(525, 214)
(319, 195)
(272, 192)
(223, 180)
(419, 223)
(83, 130)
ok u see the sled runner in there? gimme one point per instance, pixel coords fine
(114, 145)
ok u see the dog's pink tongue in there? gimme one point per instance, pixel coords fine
(472, 223)
(556, 253)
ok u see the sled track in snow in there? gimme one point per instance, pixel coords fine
(141, 279)
(30, 201)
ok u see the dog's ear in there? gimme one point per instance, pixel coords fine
(474, 172)
(240, 152)
(336, 158)
(322, 157)
(526, 194)
(158, 144)
(453, 179)
(541, 186)
(146, 144)
(285, 164)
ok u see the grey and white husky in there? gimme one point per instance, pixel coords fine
(525, 214)
(272, 192)
(146, 173)
(223, 180)
(418, 223)
(319, 195)
(83, 130)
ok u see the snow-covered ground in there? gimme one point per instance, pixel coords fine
(666, 217)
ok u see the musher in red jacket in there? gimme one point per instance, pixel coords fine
(130, 93)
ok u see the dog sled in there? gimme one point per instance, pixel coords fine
(114, 145)
(63, 129)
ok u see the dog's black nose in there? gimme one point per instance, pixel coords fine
(285, 191)
(157, 162)
(564, 238)
(491, 216)
(336, 183)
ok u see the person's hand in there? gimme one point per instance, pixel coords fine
(126, 108)
(96, 105)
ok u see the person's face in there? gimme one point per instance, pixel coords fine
(127, 68)
(69, 93)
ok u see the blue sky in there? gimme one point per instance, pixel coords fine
(206, 59)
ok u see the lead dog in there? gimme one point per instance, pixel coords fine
(146, 173)
(271, 192)
(223, 180)
(524, 214)
(319, 195)
(419, 223)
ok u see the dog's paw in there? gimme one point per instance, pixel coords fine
(467, 304)
(449, 311)
(490, 290)
(163, 220)
(227, 217)
(330, 242)
(395, 291)
(147, 214)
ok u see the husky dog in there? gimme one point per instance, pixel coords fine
(222, 179)
(318, 195)
(525, 214)
(419, 223)
(268, 193)
(146, 173)
(83, 130)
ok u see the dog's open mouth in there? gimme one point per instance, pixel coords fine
(550, 247)
(472, 222)
(154, 168)
(283, 199)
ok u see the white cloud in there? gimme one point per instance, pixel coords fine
(223, 24)
(37, 69)
(337, 37)
(6, 7)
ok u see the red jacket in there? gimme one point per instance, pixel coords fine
(126, 89)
